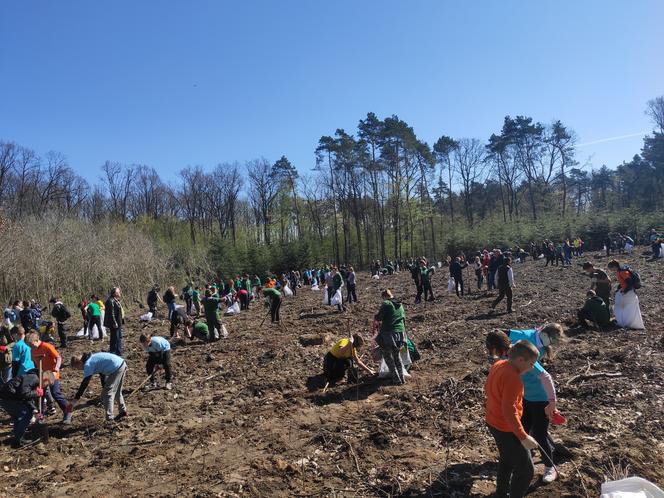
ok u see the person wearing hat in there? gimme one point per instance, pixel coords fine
(61, 315)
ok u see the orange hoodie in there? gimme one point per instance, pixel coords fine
(504, 399)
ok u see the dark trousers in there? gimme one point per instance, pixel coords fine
(244, 301)
(502, 292)
(330, 293)
(57, 396)
(420, 289)
(334, 369)
(351, 294)
(62, 333)
(116, 341)
(152, 308)
(480, 279)
(161, 358)
(213, 324)
(92, 321)
(536, 423)
(187, 303)
(275, 304)
(458, 284)
(20, 414)
(515, 465)
(490, 280)
(428, 292)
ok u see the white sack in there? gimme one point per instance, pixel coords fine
(627, 311)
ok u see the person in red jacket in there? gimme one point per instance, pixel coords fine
(504, 408)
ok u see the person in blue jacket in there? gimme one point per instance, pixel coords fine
(21, 353)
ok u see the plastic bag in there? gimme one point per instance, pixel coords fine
(384, 372)
(288, 292)
(233, 309)
(315, 287)
(146, 317)
(631, 487)
(451, 286)
(94, 332)
(627, 311)
(224, 331)
(337, 300)
(376, 277)
(325, 301)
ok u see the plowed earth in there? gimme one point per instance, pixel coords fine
(247, 415)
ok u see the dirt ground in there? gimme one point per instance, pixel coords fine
(247, 415)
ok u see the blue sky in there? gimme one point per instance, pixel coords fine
(171, 84)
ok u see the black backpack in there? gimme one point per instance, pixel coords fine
(636, 279)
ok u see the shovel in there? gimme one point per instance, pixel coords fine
(41, 429)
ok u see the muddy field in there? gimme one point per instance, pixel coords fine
(247, 415)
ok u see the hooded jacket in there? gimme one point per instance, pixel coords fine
(392, 316)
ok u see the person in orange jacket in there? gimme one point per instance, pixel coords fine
(504, 409)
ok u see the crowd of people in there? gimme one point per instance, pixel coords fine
(520, 394)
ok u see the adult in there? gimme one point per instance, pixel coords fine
(61, 315)
(113, 320)
(505, 284)
(187, 294)
(351, 283)
(390, 321)
(112, 369)
(456, 272)
(337, 284)
(169, 299)
(180, 319)
(494, 263)
(626, 308)
(212, 315)
(416, 274)
(275, 303)
(159, 354)
(153, 299)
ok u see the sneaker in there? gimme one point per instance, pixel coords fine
(550, 475)
(121, 415)
(67, 419)
(169, 386)
(19, 443)
(51, 410)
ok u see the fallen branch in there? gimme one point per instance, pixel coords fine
(352, 452)
(582, 377)
(213, 376)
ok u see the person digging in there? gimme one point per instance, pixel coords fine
(343, 358)
(159, 358)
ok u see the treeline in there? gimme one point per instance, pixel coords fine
(379, 192)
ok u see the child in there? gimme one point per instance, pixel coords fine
(626, 308)
(595, 310)
(343, 357)
(21, 355)
(51, 361)
(159, 353)
(505, 284)
(478, 272)
(504, 408)
(275, 302)
(539, 400)
(93, 312)
(180, 318)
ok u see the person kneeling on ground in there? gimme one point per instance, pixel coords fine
(504, 409)
(343, 357)
(17, 398)
(202, 332)
(159, 355)
(113, 369)
(595, 310)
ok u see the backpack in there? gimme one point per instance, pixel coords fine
(635, 278)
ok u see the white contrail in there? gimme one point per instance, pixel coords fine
(611, 139)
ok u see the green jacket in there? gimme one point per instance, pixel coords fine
(211, 305)
(598, 310)
(392, 316)
(337, 281)
(271, 293)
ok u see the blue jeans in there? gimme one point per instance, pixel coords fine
(116, 341)
(58, 397)
(20, 414)
(171, 309)
(490, 280)
(6, 374)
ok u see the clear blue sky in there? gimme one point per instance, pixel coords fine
(171, 84)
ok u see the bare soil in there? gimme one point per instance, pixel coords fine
(247, 416)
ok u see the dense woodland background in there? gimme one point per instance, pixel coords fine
(376, 193)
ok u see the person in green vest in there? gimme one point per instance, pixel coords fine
(595, 310)
(275, 302)
(238, 283)
(390, 321)
(201, 331)
(187, 294)
(337, 283)
(196, 299)
(427, 273)
(246, 283)
(212, 314)
(94, 317)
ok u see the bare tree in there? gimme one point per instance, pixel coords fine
(119, 179)
(655, 110)
(263, 192)
(470, 163)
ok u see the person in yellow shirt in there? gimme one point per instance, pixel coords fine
(343, 357)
